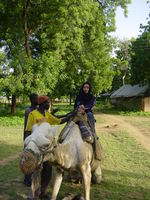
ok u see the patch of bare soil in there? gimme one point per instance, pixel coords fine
(8, 159)
(4, 197)
(15, 185)
(116, 122)
(134, 195)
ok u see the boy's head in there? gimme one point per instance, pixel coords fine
(34, 99)
(44, 102)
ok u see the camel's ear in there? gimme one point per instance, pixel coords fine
(27, 140)
(54, 130)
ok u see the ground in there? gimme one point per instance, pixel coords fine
(126, 167)
(137, 127)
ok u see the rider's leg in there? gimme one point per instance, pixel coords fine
(91, 119)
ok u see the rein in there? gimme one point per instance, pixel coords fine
(43, 151)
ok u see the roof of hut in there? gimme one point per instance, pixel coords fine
(130, 91)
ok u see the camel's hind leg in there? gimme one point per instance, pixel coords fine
(57, 184)
(86, 173)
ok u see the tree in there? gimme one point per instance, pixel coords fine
(28, 63)
(53, 43)
(140, 59)
(87, 47)
(121, 64)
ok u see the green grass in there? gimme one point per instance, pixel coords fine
(126, 169)
(11, 141)
(18, 120)
(141, 122)
(11, 121)
(11, 182)
(134, 113)
(101, 106)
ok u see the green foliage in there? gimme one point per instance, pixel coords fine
(106, 107)
(121, 64)
(85, 47)
(132, 62)
(27, 75)
(140, 59)
(50, 44)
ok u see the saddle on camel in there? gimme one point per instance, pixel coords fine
(87, 132)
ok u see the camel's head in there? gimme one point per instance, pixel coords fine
(37, 145)
(81, 109)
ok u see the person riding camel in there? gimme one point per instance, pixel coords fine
(87, 99)
(85, 102)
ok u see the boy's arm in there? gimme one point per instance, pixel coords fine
(29, 124)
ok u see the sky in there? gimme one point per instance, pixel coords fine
(128, 27)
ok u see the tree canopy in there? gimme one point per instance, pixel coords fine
(121, 64)
(53, 46)
(140, 57)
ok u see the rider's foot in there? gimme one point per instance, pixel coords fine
(89, 139)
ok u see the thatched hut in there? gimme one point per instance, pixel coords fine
(136, 97)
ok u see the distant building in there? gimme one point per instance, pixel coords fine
(136, 97)
(103, 96)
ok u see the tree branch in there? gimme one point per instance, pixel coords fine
(26, 31)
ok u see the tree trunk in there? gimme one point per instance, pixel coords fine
(26, 31)
(70, 99)
(123, 78)
(13, 105)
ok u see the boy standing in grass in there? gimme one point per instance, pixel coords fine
(39, 116)
(34, 103)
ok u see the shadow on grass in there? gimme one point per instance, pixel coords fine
(8, 150)
(114, 187)
(123, 185)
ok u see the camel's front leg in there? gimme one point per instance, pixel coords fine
(86, 172)
(36, 185)
(57, 184)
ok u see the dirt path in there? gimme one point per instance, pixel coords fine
(120, 123)
(8, 159)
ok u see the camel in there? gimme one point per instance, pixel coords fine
(72, 154)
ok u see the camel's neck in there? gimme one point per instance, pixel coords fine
(62, 154)
(65, 154)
